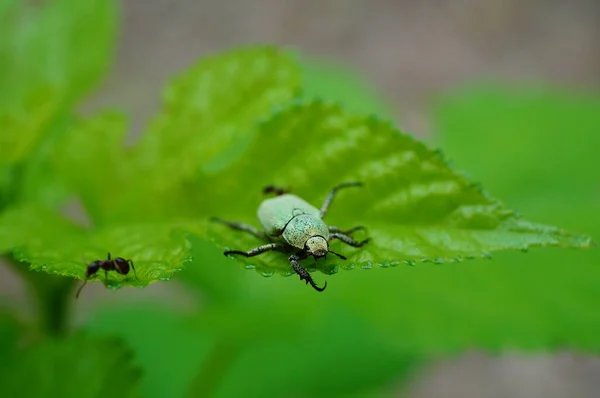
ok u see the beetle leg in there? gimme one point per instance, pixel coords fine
(331, 195)
(303, 273)
(346, 239)
(348, 231)
(242, 227)
(257, 250)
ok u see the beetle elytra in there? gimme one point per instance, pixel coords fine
(292, 225)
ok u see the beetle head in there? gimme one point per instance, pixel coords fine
(316, 246)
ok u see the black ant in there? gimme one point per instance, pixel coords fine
(273, 189)
(118, 264)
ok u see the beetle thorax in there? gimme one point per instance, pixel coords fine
(303, 227)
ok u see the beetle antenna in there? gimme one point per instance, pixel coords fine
(339, 255)
(79, 290)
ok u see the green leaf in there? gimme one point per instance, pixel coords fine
(416, 208)
(200, 117)
(209, 110)
(79, 366)
(214, 104)
(50, 243)
(52, 54)
(29, 224)
(155, 249)
(208, 116)
(96, 145)
(37, 179)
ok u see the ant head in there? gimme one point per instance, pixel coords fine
(121, 265)
(92, 268)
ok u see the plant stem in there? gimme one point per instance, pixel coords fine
(52, 294)
(214, 368)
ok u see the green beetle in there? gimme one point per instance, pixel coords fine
(292, 225)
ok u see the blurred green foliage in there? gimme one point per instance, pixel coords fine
(52, 54)
(78, 367)
(537, 149)
(231, 124)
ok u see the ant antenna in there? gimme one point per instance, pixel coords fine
(79, 290)
(338, 254)
(84, 282)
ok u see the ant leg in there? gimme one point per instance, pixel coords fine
(273, 189)
(303, 273)
(133, 268)
(347, 240)
(108, 256)
(242, 227)
(331, 195)
(257, 250)
(105, 278)
(348, 231)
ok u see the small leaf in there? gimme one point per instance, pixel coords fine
(214, 104)
(155, 249)
(51, 55)
(415, 207)
(79, 366)
(50, 243)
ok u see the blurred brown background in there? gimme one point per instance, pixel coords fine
(411, 50)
